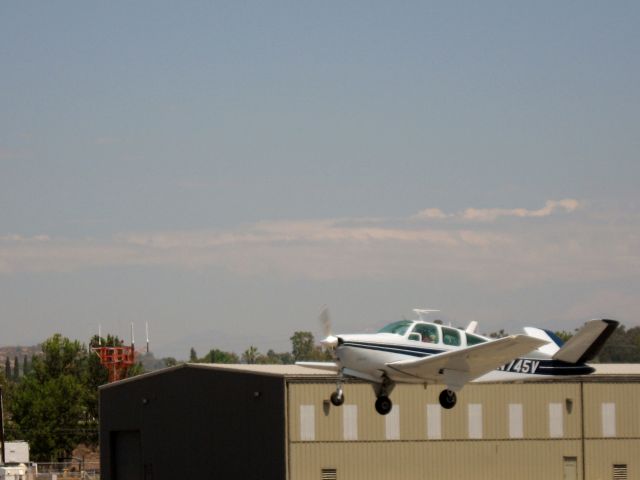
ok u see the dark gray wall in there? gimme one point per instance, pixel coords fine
(193, 422)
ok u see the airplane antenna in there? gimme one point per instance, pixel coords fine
(146, 327)
(99, 335)
(132, 340)
(422, 312)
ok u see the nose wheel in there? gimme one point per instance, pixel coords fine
(448, 399)
(337, 397)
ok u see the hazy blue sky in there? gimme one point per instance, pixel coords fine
(223, 169)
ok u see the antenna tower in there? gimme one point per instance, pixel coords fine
(117, 360)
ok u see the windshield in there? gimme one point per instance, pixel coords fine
(399, 328)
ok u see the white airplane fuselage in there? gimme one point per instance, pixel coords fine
(365, 356)
(420, 352)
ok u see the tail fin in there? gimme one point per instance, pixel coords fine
(554, 342)
(587, 343)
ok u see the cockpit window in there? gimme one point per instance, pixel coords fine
(474, 339)
(399, 328)
(428, 333)
(450, 336)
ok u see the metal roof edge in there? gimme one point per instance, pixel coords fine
(246, 369)
(144, 375)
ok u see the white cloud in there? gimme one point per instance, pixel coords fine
(358, 248)
(19, 238)
(552, 206)
(430, 214)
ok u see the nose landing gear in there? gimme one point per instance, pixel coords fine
(337, 397)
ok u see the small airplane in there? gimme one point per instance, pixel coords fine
(421, 352)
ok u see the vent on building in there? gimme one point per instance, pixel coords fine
(330, 474)
(620, 471)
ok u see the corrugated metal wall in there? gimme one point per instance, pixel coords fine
(478, 460)
(523, 431)
(612, 428)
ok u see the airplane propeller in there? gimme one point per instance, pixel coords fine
(329, 341)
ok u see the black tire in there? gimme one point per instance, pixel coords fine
(448, 399)
(337, 398)
(383, 405)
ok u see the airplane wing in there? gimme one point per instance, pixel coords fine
(457, 367)
(330, 366)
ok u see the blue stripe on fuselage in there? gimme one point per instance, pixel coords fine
(403, 349)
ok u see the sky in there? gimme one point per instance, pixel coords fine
(223, 170)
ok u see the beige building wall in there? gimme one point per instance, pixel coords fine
(446, 460)
(495, 431)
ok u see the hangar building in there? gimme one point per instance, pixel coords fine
(276, 422)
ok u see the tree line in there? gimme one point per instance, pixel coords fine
(303, 348)
(14, 373)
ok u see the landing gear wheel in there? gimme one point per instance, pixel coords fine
(448, 399)
(383, 405)
(337, 398)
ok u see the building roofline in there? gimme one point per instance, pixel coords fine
(283, 371)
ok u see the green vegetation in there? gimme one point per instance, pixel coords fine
(53, 404)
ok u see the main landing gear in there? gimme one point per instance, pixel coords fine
(383, 405)
(383, 390)
(447, 399)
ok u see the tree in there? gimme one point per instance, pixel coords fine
(7, 368)
(250, 355)
(25, 365)
(4, 387)
(193, 356)
(16, 369)
(302, 346)
(499, 334)
(49, 405)
(622, 347)
(61, 356)
(564, 335)
(220, 356)
(170, 362)
(285, 358)
(3, 382)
